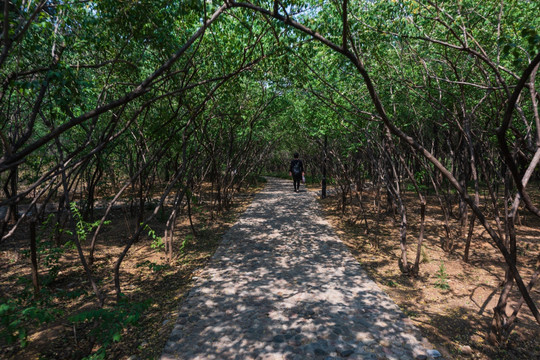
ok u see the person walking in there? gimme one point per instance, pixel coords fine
(296, 170)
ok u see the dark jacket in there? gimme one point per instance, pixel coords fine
(293, 163)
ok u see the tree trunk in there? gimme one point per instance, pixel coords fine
(33, 258)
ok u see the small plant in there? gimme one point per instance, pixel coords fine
(185, 241)
(157, 241)
(17, 315)
(23, 309)
(74, 294)
(83, 227)
(442, 278)
(12, 329)
(47, 252)
(153, 266)
(110, 323)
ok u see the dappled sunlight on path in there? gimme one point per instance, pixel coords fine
(283, 286)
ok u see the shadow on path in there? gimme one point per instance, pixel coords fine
(283, 286)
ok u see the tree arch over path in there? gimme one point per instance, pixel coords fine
(57, 109)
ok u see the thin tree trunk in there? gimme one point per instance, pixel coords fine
(188, 200)
(33, 258)
(474, 173)
(415, 269)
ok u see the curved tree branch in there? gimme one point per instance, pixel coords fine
(6, 162)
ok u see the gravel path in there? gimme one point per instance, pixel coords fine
(283, 286)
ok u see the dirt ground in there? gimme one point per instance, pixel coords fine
(456, 318)
(146, 277)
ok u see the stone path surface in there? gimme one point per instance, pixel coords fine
(283, 286)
